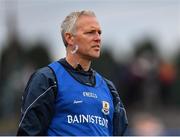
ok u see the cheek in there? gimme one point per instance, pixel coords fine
(84, 45)
(85, 40)
(84, 48)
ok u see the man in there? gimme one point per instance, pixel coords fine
(69, 98)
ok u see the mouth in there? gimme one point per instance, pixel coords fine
(96, 46)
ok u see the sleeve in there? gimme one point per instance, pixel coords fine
(38, 104)
(120, 121)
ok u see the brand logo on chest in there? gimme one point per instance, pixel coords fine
(89, 94)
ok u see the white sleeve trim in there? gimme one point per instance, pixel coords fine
(34, 102)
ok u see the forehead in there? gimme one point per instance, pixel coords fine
(87, 22)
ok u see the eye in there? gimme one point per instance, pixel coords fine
(93, 32)
(100, 32)
(90, 32)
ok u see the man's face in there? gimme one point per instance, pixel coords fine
(88, 37)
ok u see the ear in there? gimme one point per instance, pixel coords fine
(69, 38)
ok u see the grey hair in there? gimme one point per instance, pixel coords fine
(69, 23)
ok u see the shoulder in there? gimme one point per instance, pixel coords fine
(38, 103)
(41, 75)
(110, 84)
(41, 80)
(46, 72)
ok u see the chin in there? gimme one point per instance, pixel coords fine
(95, 56)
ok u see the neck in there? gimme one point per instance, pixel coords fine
(74, 60)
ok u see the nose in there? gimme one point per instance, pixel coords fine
(98, 37)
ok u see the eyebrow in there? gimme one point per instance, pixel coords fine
(93, 28)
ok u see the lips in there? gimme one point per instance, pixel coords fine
(96, 46)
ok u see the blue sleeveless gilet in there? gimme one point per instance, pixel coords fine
(81, 110)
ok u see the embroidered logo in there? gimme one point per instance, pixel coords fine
(77, 101)
(89, 94)
(105, 107)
